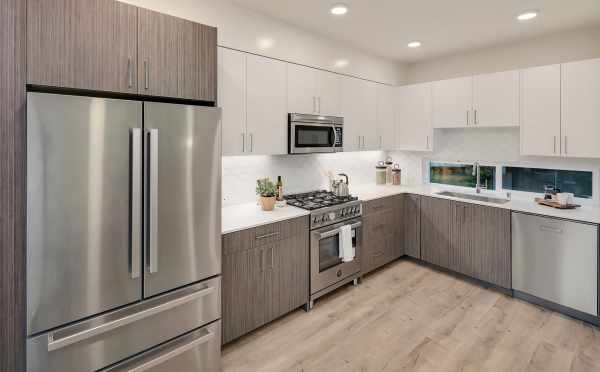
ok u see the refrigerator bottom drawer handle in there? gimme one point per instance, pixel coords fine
(55, 344)
(174, 353)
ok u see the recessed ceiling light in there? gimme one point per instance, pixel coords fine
(341, 63)
(414, 44)
(528, 15)
(339, 9)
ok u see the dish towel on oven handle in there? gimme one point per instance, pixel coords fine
(346, 249)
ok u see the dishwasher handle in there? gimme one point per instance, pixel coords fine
(551, 229)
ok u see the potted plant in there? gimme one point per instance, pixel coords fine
(267, 191)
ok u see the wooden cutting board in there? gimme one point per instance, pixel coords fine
(555, 204)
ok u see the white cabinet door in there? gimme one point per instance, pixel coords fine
(453, 103)
(328, 93)
(581, 109)
(386, 117)
(353, 113)
(414, 127)
(496, 99)
(368, 127)
(540, 111)
(232, 100)
(302, 89)
(266, 123)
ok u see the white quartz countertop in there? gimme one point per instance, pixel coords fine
(587, 213)
(249, 215)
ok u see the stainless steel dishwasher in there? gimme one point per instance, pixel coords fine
(556, 260)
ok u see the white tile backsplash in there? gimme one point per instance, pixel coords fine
(299, 172)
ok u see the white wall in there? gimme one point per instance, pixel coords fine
(564, 47)
(249, 31)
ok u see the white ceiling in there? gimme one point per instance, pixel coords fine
(384, 27)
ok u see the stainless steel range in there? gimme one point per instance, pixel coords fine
(329, 269)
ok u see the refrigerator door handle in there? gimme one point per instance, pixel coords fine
(174, 353)
(152, 242)
(136, 210)
(121, 322)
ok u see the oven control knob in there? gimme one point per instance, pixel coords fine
(315, 219)
(331, 216)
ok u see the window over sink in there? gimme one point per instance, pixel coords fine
(534, 179)
(457, 174)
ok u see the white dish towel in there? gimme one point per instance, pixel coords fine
(346, 249)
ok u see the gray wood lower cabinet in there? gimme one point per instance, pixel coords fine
(265, 275)
(435, 231)
(411, 225)
(481, 243)
(381, 237)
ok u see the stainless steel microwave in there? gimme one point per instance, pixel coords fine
(315, 134)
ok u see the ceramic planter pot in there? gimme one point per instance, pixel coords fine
(267, 203)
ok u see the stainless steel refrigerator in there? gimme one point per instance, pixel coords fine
(123, 235)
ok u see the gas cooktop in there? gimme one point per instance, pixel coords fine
(317, 199)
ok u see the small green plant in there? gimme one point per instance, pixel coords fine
(265, 188)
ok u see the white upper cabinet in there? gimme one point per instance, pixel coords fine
(302, 87)
(328, 93)
(252, 95)
(312, 91)
(414, 131)
(232, 99)
(490, 100)
(266, 124)
(386, 117)
(359, 109)
(496, 99)
(581, 109)
(453, 103)
(540, 111)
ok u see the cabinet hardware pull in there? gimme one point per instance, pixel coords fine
(243, 142)
(555, 144)
(267, 235)
(146, 75)
(427, 142)
(378, 254)
(129, 73)
(251, 142)
(476, 122)
(467, 117)
(565, 145)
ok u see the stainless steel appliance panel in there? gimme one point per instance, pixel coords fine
(196, 351)
(315, 134)
(83, 210)
(183, 195)
(556, 260)
(113, 337)
(325, 268)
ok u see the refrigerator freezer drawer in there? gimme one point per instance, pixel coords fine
(556, 260)
(102, 341)
(196, 351)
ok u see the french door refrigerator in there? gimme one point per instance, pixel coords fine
(123, 235)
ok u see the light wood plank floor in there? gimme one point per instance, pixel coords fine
(408, 317)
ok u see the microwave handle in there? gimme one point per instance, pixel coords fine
(334, 232)
(335, 136)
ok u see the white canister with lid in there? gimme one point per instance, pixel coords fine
(389, 163)
(381, 173)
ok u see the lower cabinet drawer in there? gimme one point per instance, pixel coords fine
(199, 350)
(107, 339)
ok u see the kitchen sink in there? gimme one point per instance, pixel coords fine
(481, 198)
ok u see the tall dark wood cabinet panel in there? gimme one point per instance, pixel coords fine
(462, 244)
(82, 44)
(435, 231)
(379, 233)
(12, 184)
(265, 275)
(399, 226)
(411, 223)
(176, 57)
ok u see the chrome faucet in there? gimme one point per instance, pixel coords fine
(477, 174)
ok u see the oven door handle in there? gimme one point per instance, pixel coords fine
(335, 232)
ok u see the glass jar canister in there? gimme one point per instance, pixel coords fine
(396, 175)
(381, 173)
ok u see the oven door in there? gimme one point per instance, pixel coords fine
(326, 266)
(306, 138)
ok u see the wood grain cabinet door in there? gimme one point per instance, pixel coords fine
(411, 225)
(435, 231)
(176, 58)
(82, 44)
